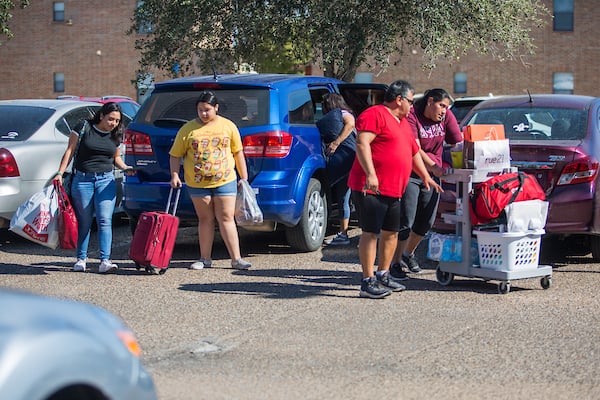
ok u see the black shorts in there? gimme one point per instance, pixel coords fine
(377, 212)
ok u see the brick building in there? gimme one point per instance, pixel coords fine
(78, 47)
(84, 40)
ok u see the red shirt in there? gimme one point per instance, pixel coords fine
(392, 151)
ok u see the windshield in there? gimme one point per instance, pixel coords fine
(18, 123)
(243, 107)
(535, 122)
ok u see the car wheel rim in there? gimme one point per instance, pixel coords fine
(316, 215)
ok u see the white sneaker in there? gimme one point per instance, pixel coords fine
(106, 267)
(240, 264)
(79, 266)
(201, 264)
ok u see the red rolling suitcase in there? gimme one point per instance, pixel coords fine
(154, 238)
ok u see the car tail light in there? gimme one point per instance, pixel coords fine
(130, 342)
(137, 144)
(8, 165)
(579, 171)
(275, 144)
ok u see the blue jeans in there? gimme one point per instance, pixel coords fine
(341, 194)
(94, 193)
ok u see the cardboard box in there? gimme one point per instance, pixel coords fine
(476, 133)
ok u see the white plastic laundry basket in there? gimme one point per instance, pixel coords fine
(510, 250)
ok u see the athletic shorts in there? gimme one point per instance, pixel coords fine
(228, 189)
(377, 212)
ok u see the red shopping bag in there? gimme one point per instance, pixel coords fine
(67, 221)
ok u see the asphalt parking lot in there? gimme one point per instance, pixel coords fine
(293, 326)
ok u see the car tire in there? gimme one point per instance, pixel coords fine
(309, 233)
(595, 247)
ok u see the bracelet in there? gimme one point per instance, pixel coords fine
(59, 173)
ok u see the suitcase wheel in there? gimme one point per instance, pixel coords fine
(155, 270)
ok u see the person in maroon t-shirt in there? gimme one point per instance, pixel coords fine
(432, 124)
(386, 153)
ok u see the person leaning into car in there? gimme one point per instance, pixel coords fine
(386, 153)
(211, 149)
(94, 146)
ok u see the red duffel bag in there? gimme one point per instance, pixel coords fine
(489, 198)
(67, 221)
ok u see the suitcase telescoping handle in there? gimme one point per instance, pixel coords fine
(176, 200)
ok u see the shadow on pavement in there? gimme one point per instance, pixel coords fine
(270, 290)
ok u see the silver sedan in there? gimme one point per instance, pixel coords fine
(33, 137)
(62, 349)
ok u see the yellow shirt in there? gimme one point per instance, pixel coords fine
(207, 152)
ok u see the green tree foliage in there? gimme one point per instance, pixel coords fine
(199, 35)
(5, 16)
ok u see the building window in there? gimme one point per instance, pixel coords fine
(145, 85)
(59, 11)
(460, 82)
(363, 77)
(145, 25)
(563, 83)
(563, 15)
(59, 82)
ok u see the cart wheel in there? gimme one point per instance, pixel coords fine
(444, 278)
(546, 282)
(138, 266)
(162, 271)
(504, 287)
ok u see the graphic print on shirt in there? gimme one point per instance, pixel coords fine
(210, 158)
(431, 131)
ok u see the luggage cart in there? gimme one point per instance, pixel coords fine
(504, 271)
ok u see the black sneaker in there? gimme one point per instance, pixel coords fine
(397, 274)
(411, 263)
(372, 289)
(387, 281)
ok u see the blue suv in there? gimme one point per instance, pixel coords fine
(276, 116)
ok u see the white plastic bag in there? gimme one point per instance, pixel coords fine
(247, 211)
(37, 218)
(526, 216)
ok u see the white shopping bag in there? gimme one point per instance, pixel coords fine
(37, 218)
(488, 154)
(526, 216)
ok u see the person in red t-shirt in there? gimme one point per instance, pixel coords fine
(386, 153)
(432, 124)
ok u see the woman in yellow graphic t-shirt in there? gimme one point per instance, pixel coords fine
(211, 149)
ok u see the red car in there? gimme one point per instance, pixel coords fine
(555, 138)
(128, 105)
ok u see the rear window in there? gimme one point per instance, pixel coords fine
(535, 123)
(129, 108)
(173, 109)
(18, 123)
(461, 108)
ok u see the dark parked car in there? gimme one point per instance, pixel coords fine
(461, 106)
(555, 138)
(276, 115)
